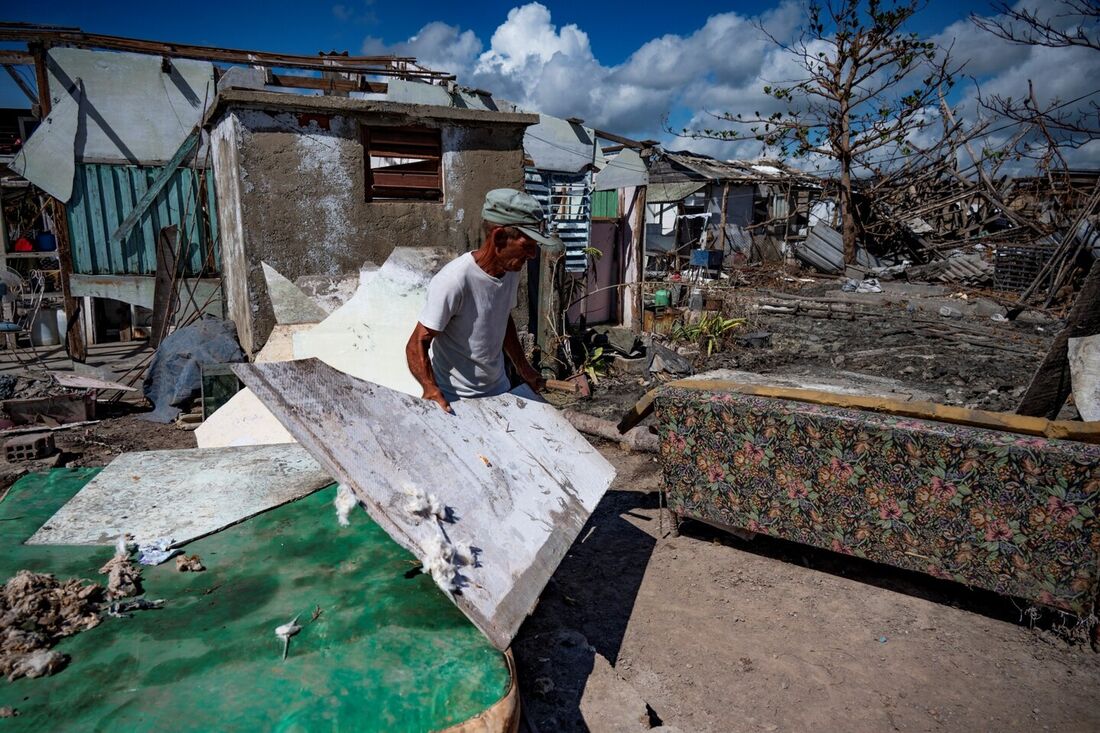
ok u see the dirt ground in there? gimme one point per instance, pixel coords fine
(714, 633)
(640, 629)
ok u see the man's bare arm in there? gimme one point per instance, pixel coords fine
(420, 364)
(513, 349)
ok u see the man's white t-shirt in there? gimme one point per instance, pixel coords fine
(469, 308)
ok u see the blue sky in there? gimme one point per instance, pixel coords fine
(615, 27)
(639, 69)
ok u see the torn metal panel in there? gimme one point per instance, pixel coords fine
(290, 304)
(133, 110)
(181, 494)
(138, 290)
(667, 193)
(48, 158)
(624, 170)
(366, 336)
(1084, 370)
(517, 480)
(558, 145)
(418, 92)
(824, 250)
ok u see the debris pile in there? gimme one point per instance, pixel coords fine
(123, 577)
(36, 611)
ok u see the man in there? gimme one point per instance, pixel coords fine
(458, 347)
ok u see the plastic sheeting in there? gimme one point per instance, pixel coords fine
(175, 375)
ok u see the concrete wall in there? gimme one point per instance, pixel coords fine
(299, 178)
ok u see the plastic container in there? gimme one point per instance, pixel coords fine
(711, 259)
(23, 245)
(46, 242)
(662, 299)
(44, 327)
(695, 300)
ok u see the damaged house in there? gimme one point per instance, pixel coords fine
(318, 185)
(747, 211)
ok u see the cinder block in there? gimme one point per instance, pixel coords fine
(29, 447)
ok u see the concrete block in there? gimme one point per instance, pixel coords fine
(29, 447)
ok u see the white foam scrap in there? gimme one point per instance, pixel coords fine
(464, 554)
(439, 561)
(424, 504)
(122, 547)
(344, 502)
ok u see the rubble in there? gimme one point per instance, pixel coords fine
(36, 610)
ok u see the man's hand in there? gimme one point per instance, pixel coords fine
(437, 397)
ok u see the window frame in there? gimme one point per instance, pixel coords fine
(417, 181)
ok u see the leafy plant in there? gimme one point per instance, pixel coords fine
(596, 364)
(709, 332)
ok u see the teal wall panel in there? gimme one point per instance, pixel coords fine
(104, 194)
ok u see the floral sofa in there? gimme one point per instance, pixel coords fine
(1002, 511)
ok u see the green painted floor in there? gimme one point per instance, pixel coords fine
(387, 653)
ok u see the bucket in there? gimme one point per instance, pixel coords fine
(46, 242)
(662, 299)
(44, 328)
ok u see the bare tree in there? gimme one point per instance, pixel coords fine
(1075, 23)
(865, 85)
(1055, 125)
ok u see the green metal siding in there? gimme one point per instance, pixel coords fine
(605, 204)
(104, 194)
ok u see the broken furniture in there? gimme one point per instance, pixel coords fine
(20, 304)
(379, 649)
(982, 505)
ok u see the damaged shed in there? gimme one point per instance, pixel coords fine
(318, 185)
(747, 210)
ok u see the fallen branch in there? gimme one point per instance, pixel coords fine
(636, 439)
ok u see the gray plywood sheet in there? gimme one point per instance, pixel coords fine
(181, 494)
(517, 479)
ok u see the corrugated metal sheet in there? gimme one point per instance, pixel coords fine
(566, 200)
(824, 250)
(970, 269)
(666, 193)
(104, 194)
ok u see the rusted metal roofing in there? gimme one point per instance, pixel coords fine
(667, 166)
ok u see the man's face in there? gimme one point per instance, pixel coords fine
(516, 250)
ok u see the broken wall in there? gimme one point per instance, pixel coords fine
(298, 200)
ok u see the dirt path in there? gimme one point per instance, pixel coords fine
(719, 634)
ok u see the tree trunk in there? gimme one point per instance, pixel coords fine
(847, 217)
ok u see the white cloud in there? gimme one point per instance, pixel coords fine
(722, 66)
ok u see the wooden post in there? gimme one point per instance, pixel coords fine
(725, 199)
(548, 301)
(75, 334)
(638, 232)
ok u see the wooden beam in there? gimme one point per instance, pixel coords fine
(331, 84)
(21, 83)
(628, 142)
(1051, 386)
(19, 58)
(1006, 421)
(377, 65)
(186, 147)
